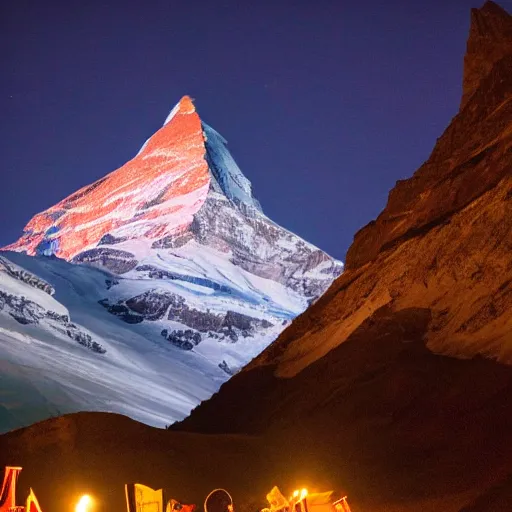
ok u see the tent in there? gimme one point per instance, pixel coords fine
(32, 504)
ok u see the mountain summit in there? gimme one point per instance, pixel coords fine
(153, 196)
(182, 186)
(169, 260)
(490, 37)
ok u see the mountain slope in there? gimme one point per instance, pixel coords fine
(169, 254)
(442, 245)
(443, 241)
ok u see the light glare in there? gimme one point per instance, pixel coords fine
(83, 504)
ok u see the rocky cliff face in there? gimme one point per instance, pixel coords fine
(384, 375)
(489, 39)
(443, 241)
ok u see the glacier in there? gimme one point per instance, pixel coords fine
(140, 374)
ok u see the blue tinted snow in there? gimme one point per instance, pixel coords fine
(226, 173)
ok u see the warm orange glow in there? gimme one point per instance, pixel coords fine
(155, 194)
(84, 504)
(299, 495)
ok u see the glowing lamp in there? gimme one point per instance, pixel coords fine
(84, 504)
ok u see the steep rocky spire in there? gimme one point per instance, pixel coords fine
(452, 177)
(490, 39)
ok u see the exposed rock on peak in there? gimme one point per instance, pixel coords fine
(490, 21)
(490, 38)
(152, 196)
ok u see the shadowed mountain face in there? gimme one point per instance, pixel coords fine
(395, 386)
(400, 426)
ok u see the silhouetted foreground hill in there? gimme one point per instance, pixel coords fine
(389, 387)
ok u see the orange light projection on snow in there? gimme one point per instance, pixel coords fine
(153, 195)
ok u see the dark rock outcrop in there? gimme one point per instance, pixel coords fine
(84, 339)
(185, 339)
(26, 277)
(489, 36)
(157, 304)
(108, 239)
(115, 260)
(225, 367)
(152, 305)
(122, 311)
(235, 324)
(21, 309)
(202, 321)
(26, 311)
(111, 282)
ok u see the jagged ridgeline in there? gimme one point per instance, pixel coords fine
(170, 252)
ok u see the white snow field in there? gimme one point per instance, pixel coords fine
(44, 373)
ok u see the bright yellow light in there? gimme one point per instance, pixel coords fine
(299, 495)
(84, 504)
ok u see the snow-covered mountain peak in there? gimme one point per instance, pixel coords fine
(154, 195)
(186, 260)
(184, 106)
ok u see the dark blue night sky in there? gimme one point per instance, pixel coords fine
(325, 103)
